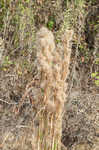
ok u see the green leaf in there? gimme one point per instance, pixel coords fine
(97, 61)
(50, 24)
(7, 58)
(97, 77)
(94, 74)
(97, 82)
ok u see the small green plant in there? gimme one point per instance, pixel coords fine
(3, 10)
(97, 61)
(51, 23)
(95, 76)
(7, 61)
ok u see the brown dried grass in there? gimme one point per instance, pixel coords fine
(49, 88)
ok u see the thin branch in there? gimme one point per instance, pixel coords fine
(8, 102)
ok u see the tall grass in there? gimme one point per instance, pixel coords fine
(49, 89)
(53, 71)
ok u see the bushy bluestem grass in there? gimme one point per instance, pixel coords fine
(52, 73)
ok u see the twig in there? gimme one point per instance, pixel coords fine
(8, 102)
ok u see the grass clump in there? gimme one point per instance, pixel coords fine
(49, 88)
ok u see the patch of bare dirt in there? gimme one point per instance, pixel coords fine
(81, 121)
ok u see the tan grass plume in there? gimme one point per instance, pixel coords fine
(49, 89)
(53, 69)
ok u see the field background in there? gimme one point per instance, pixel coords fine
(19, 23)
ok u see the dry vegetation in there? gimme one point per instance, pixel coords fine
(38, 109)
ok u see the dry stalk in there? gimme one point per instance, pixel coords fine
(51, 87)
(1, 50)
(53, 70)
